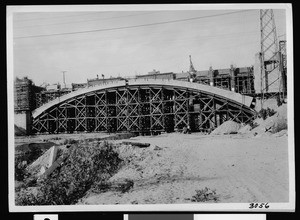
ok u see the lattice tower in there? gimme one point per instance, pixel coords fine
(271, 80)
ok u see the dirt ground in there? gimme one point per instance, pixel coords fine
(241, 168)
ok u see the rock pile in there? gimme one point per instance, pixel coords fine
(273, 124)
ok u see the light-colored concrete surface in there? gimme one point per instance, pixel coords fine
(52, 156)
(23, 121)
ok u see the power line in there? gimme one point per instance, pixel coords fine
(191, 37)
(131, 35)
(72, 22)
(37, 19)
(134, 26)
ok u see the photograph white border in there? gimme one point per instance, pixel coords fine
(290, 206)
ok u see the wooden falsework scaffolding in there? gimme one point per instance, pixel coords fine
(47, 96)
(243, 83)
(24, 95)
(141, 109)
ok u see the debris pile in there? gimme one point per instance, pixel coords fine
(228, 127)
(69, 174)
(273, 124)
(130, 152)
(245, 129)
(136, 162)
(45, 161)
(42, 162)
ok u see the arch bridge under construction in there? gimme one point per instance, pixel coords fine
(143, 106)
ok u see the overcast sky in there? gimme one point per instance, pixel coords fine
(214, 38)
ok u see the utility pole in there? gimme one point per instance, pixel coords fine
(64, 78)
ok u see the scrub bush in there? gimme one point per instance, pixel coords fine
(205, 195)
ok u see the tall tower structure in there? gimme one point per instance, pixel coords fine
(271, 80)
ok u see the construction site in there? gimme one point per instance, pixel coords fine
(155, 102)
(214, 135)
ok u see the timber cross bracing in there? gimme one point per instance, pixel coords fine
(143, 107)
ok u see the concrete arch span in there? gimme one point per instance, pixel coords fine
(147, 106)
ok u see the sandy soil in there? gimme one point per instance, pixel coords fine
(241, 168)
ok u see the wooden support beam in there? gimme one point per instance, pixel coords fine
(137, 144)
(141, 109)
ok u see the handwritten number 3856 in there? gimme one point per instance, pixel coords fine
(259, 205)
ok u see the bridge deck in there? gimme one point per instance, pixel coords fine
(229, 95)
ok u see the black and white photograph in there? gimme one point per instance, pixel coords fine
(182, 107)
